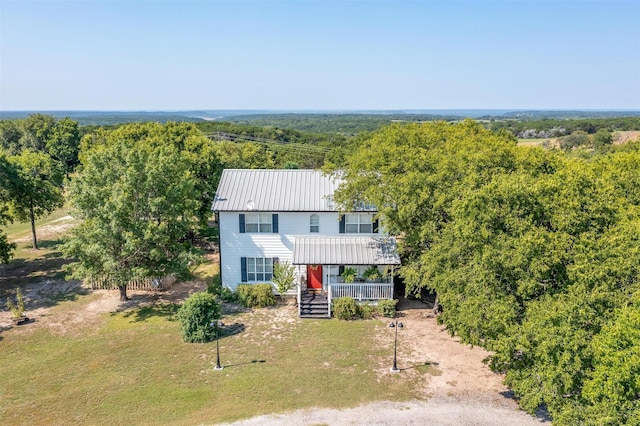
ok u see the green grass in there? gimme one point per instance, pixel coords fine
(23, 229)
(133, 368)
(29, 265)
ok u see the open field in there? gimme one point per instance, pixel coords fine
(619, 137)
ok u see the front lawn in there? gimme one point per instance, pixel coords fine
(133, 368)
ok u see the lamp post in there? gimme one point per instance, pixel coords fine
(217, 325)
(395, 324)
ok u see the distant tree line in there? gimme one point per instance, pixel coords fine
(553, 128)
(344, 124)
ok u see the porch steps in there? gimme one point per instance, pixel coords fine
(314, 306)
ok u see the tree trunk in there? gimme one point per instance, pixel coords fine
(33, 227)
(123, 293)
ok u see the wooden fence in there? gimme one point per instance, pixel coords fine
(147, 284)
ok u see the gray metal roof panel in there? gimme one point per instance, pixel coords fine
(275, 190)
(345, 250)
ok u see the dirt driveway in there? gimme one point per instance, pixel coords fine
(463, 391)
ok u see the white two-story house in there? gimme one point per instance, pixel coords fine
(268, 216)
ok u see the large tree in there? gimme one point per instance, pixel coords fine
(8, 181)
(63, 143)
(39, 190)
(138, 201)
(201, 153)
(36, 131)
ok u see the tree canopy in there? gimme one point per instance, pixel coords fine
(38, 189)
(8, 186)
(138, 198)
(533, 254)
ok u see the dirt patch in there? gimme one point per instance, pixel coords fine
(625, 136)
(462, 372)
(41, 297)
(51, 231)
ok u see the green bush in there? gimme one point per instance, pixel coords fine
(345, 308)
(223, 293)
(367, 311)
(256, 295)
(196, 315)
(387, 307)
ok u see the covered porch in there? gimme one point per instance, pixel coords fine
(361, 267)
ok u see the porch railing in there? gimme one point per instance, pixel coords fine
(363, 291)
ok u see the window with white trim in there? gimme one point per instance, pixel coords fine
(358, 223)
(314, 223)
(258, 222)
(259, 269)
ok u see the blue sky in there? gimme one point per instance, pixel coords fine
(319, 55)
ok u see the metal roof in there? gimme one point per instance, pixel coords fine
(345, 251)
(275, 190)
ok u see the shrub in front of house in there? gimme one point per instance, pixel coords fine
(387, 307)
(223, 293)
(196, 315)
(367, 310)
(256, 295)
(345, 308)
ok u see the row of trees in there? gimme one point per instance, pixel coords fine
(549, 127)
(534, 255)
(60, 139)
(35, 155)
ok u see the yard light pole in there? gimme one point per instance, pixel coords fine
(395, 324)
(217, 325)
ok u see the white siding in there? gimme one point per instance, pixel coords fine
(234, 245)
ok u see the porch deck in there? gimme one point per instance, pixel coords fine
(362, 291)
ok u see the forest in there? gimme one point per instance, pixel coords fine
(539, 124)
(534, 253)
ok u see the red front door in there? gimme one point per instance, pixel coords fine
(314, 276)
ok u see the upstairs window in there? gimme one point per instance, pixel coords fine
(258, 222)
(358, 223)
(314, 223)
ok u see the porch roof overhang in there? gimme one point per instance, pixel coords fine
(345, 250)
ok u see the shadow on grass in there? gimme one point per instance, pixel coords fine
(159, 310)
(424, 364)
(240, 364)
(59, 297)
(34, 266)
(228, 330)
(49, 244)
